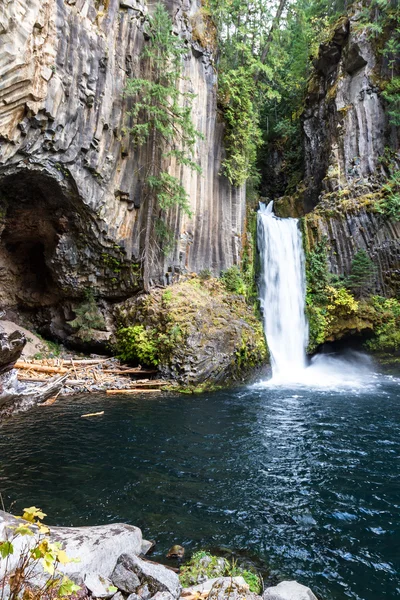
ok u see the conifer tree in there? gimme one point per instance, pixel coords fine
(161, 117)
(361, 274)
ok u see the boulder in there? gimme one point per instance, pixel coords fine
(119, 596)
(11, 347)
(231, 589)
(101, 587)
(288, 590)
(97, 548)
(124, 578)
(157, 577)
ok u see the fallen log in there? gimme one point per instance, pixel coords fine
(132, 391)
(129, 371)
(39, 368)
(98, 414)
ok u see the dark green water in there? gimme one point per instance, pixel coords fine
(306, 480)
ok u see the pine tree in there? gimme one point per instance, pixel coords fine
(361, 274)
(162, 118)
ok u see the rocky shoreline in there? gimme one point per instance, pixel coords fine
(108, 563)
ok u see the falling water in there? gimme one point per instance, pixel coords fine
(282, 296)
(282, 292)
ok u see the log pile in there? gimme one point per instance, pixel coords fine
(91, 375)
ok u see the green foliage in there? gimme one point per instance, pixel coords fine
(204, 565)
(137, 344)
(317, 271)
(161, 116)
(88, 318)
(233, 281)
(205, 274)
(362, 273)
(390, 203)
(242, 133)
(165, 237)
(39, 550)
(387, 331)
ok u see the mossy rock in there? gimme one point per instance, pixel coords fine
(199, 334)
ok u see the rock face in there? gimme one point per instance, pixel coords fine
(349, 147)
(72, 213)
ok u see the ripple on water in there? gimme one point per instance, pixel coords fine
(306, 480)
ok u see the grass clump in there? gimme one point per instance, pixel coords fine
(203, 566)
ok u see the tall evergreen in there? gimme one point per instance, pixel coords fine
(161, 117)
(361, 274)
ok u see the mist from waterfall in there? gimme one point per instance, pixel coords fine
(282, 291)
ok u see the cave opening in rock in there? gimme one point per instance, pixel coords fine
(34, 213)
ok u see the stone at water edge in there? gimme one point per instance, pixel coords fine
(289, 590)
(124, 578)
(157, 577)
(227, 588)
(176, 552)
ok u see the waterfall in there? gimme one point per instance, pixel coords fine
(282, 292)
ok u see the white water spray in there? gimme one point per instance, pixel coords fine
(282, 297)
(282, 292)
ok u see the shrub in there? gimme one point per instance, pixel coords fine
(233, 281)
(362, 273)
(39, 552)
(88, 317)
(137, 344)
(204, 565)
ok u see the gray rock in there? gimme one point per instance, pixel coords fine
(228, 588)
(289, 590)
(97, 548)
(206, 585)
(101, 587)
(157, 577)
(143, 592)
(119, 596)
(124, 578)
(133, 597)
(163, 596)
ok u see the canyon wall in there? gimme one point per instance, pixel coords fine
(72, 213)
(350, 146)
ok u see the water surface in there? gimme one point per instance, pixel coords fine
(306, 479)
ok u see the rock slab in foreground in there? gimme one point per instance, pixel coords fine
(289, 590)
(97, 548)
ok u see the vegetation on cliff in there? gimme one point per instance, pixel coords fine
(342, 306)
(161, 115)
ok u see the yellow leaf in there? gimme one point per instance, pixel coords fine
(62, 557)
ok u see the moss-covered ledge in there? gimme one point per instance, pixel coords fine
(196, 332)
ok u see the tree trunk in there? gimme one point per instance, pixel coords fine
(148, 251)
(275, 24)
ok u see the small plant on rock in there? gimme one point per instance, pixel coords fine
(37, 556)
(88, 318)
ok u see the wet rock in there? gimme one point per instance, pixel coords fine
(176, 552)
(289, 590)
(228, 588)
(157, 577)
